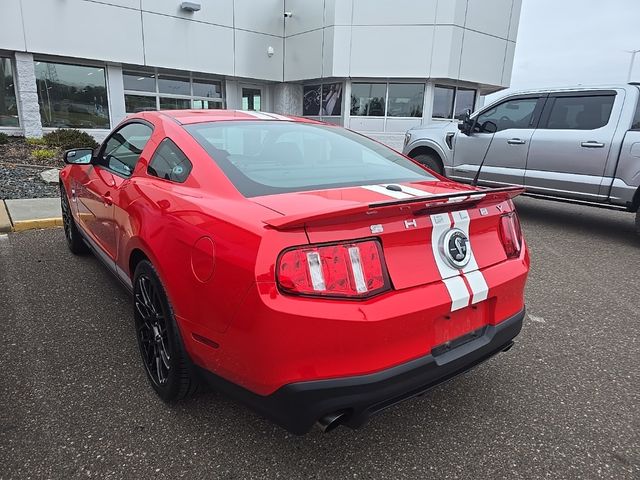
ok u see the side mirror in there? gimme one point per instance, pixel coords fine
(466, 125)
(488, 127)
(78, 156)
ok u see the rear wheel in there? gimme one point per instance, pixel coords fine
(430, 161)
(71, 232)
(166, 363)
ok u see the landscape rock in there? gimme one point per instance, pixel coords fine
(50, 176)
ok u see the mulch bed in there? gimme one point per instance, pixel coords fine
(19, 171)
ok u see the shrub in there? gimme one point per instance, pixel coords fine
(44, 153)
(4, 138)
(67, 138)
(38, 142)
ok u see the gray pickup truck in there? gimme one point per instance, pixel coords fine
(580, 144)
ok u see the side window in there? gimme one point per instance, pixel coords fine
(517, 113)
(580, 113)
(636, 118)
(169, 162)
(123, 148)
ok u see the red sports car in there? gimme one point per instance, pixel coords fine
(304, 269)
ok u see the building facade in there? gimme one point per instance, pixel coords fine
(376, 66)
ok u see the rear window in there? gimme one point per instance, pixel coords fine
(270, 157)
(580, 113)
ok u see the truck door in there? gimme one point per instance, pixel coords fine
(505, 129)
(569, 150)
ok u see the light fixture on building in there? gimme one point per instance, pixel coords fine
(190, 6)
(288, 14)
(270, 51)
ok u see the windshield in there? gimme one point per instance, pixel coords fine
(270, 157)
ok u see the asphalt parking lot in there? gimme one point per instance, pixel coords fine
(563, 403)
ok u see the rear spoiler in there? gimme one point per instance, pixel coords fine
(419, 205)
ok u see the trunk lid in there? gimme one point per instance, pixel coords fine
(411, 220)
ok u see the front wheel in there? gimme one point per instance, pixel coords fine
(166, 363)
(430, 161)
(71, 233)
(638, 221)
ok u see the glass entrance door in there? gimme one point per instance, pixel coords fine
(251, 99)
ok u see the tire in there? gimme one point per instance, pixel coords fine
(166, 363)
(71, 233)
(430, 161)
(638, 221)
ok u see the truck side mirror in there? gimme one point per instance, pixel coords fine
(466, 126)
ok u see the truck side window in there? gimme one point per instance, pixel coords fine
(580, 113)
(517, 113)
(636, 118)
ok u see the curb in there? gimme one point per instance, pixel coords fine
(39, 223)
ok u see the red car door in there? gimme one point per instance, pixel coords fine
(111, 168)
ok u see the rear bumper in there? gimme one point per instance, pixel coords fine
(297, 406)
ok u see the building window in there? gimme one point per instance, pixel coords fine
(8, 104)
(72, 95)
(368, 99)
(405, 99)
(322, 100)
(452, 102)
(146, 90)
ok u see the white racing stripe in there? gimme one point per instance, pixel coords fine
(258, 115)
(384, 191)
(415, 191)
(474, 276)
(451, 278)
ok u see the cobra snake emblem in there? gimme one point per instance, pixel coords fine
(459, 243)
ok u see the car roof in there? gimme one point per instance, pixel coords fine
(186, 117)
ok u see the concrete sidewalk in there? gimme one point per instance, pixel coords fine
(28, 214)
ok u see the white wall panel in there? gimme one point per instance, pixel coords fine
(489, 16)
(219, 12)
(367, 124)
(11, 32)
(515, 20)
(251, 59)
(451, 12)
(482, 58)
(135, 4)
(337, 51)
(402, 124)
(404, 50)
(447, 48)
(508, 64)
(396, 12)
(307, 15)
(338, 12)
(303, 56)
(177, 43)
(69, 29)
(264, 16)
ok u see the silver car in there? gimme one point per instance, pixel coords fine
(580, 144)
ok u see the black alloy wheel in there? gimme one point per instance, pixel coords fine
(72, 235)
(166, 363)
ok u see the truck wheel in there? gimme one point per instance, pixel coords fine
(430, 161)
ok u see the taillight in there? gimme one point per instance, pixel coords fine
(511, 234)
(354, 269)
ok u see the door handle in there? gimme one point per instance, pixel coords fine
(108, 201)
(592, 144)
(516, 141)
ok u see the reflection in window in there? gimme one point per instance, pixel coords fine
(581, 113)
(405, 99)
(72, 96)
(517, 113)
(174, 103)
(139, 103)
(169, 163)
(173, 85)
(443, 102)
(311, 100)
(368, 99)
(145, 89)
(465, 100)
(140, 82)
(123, 148)
(8, 104)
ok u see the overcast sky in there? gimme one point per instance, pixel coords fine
(569, 42)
